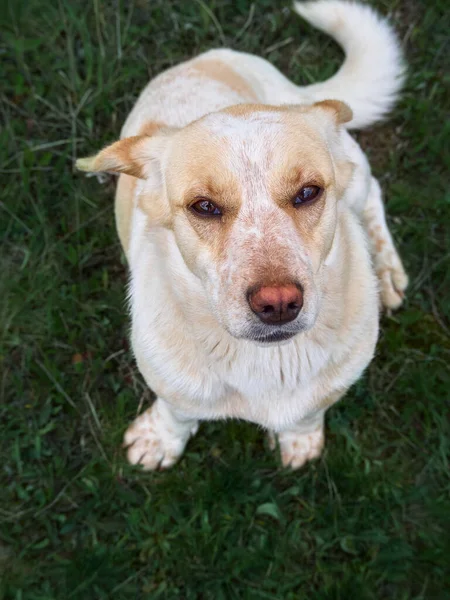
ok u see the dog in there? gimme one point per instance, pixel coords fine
(256, 238)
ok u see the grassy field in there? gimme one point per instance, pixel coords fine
(370, 520)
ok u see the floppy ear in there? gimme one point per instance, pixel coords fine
(137, 156)
(341, 112)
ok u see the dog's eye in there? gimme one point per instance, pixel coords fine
(307, 194)
(205, 208)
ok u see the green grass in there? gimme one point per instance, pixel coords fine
(369, 520)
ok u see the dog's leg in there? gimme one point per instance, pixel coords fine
(157, 438)
(302, 443)
(387, 263)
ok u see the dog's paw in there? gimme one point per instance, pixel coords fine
(393, 283)
(297, 449)
(154, 443)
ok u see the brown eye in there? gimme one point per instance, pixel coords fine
(307, 194)
(205, 208)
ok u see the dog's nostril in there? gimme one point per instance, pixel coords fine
(292, 306)
(268, 309)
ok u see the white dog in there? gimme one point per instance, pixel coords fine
(256, 238)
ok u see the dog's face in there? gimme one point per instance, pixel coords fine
(251, 195)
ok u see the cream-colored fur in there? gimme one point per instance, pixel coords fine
(229, 127)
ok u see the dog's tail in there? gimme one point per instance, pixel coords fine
(373, 71)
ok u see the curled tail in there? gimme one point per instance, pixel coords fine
(373, 71)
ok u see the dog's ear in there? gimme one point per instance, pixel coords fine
(339, 111)
(335, 110)
(138, 156)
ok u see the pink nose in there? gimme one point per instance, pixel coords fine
(276, 305)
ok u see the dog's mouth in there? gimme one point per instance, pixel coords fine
(271, 335)
(276, 336)
(271, 338)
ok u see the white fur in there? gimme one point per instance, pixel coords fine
(190, 316)
(373, 70)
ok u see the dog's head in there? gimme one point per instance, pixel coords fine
(251, 195)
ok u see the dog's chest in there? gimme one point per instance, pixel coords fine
(253, 370)
(274, 387)
(269, 386)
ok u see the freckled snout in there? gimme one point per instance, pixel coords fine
(276, 305)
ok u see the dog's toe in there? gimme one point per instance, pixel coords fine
(400, 279)
(298, 448)
(393, 282)
(146, 452)
(151, 445)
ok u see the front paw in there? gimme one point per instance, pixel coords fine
(393, 283)
(152, 442)
(297, 449)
